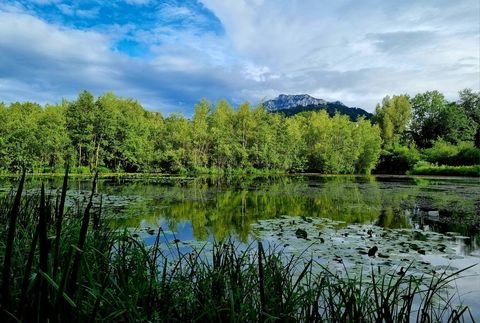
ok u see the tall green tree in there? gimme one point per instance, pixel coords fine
(156, 132)
(244, 128)
(427, 110)
(264, 152)
(177, 143)
(222, 140)
(79, 117)
(56, 146)
(199, 129)
(295, 148)
(470, 103)
(104, 122)
(135, 152)
(367, 141)
(22, 142)
(456, 126)
(434, 118)
(393, 117)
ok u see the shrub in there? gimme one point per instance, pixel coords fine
(425, 168)
(468, 156)
(441, 152)
(398, 161)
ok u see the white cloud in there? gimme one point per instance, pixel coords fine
(44, 62)
(352, 51)
(368, 49)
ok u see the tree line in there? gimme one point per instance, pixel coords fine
(426, 129)
(117, 134)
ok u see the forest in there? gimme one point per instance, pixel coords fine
(115, 134)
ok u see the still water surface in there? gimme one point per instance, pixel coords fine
(432, 221)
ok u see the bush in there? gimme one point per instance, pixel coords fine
(398, 161)
(425, 168)
(443, 153)
(468, 156)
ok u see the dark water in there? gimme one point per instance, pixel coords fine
(203, 209)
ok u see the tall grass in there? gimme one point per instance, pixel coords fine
(68, 266)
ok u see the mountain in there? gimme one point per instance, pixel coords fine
(293, 104)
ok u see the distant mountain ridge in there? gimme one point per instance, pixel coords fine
(293, 104)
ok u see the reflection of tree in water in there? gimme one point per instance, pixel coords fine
(222, 206)
(393, 218)
(225, 208)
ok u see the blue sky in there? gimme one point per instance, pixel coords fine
(170, 54)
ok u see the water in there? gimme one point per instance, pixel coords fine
(434, 222)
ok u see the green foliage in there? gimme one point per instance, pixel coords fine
(443, 131)
(425, 168)
(467, 156)
(441, 152)
(336, 145)
(398, 160)
(435, 118)
(444, 153)
(79, 118)
(393, 117)
(368, 142)
(199, 128)
(21, 137)
(470, 103)
(118, 134)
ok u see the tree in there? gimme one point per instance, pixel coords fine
(264, 152)
(134, 150)
(294, 143)
(427, 109)
(244, 128)
(104, 119)
(156, 126)
(55, 147)
(222, 140)
(435, 118)
(456, 126)
(177, 143)
(199, 135)
(79, 117)
(393, 117)
(22, 143)
(3, 135)
(368, 142)
(470, 103)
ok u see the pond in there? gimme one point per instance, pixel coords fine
(431, 223)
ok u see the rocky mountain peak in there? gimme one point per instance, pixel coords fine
(285, 101)
(293, 104)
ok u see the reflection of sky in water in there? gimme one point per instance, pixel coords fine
(467, 286)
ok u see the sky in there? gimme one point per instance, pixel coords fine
(170, 54)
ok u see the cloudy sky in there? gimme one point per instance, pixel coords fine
(169, 54)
